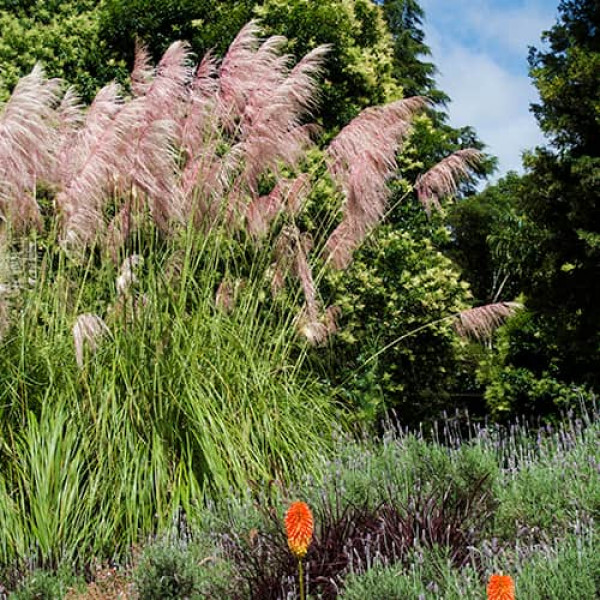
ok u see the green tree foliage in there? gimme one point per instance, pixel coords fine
(396, 349)
(63, 36)
(560, 198)
(563, 191)
(412, 70)
(89, 42)
(489, 231)
(359, 68)
(525, 373)
(568, 81)
(205, 24)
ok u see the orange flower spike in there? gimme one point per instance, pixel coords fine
(501, 587)
(299, 528)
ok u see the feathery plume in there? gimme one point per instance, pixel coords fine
(237, 73)
(291, 255)
(128, 148)
(149, 160)
(27, 146)
(271, 68)
(294, 193)
(263, 104)
(143, 71)
(69, 114)
(443, 179)
(103, 109)
(199, 124)
(361, 158)
(128, 273)
(205, 181)
(272, 129)
(262, 211)
(90, 163)
(149, 164)
(481, 321)
(169, 88)
(227, 293)
(295, 92)
(88, 330)
(318, 331)
(287, 195)
(270, 144)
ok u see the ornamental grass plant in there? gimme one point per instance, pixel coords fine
(164, 248)
(182, 403)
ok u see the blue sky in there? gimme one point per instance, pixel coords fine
(480, 49)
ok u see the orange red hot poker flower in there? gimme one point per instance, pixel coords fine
(299, 528)
(501, 587)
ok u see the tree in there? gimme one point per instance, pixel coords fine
(560, 198)
(208, 25)
(89, 43)
(396, 349)
(493, 242)
(64, 36)
(358, 70)
(567, 79)
(563, 192)
(411, 69)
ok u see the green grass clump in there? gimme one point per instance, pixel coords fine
(180, 403)
(46, 585)
(430, 576)
(170, 569)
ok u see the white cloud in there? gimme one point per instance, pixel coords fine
(510, 24)
(480, 49)
(515, 29)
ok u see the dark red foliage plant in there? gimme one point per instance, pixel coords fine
(351, 537)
